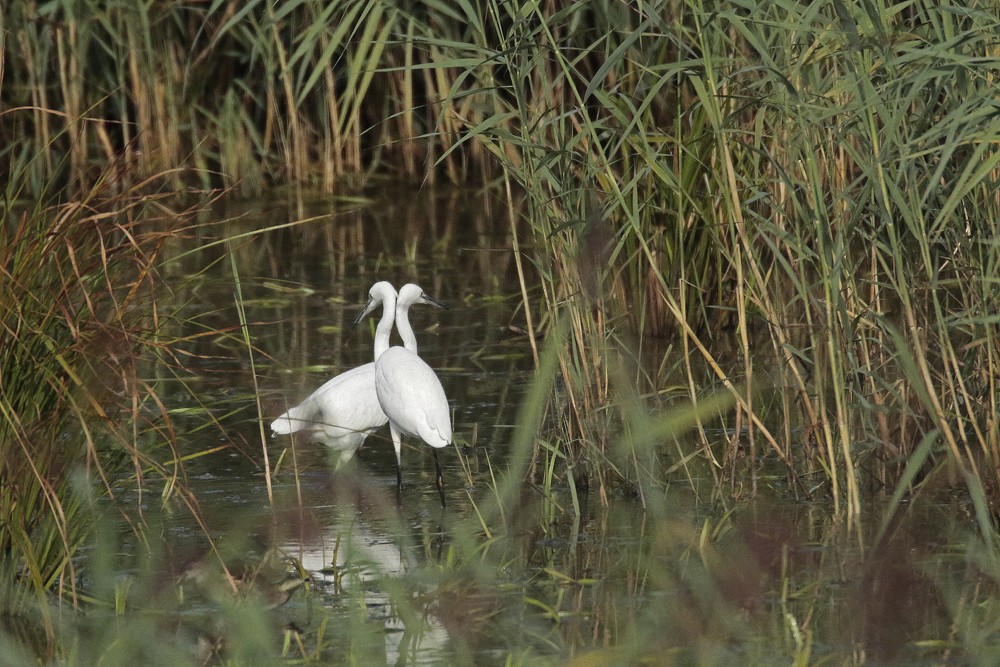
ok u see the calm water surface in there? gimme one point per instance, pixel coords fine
(747, 585)
(301, 288)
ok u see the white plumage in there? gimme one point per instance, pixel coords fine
(345, 409)
(398, 387)
(340, 414)
(409, 391)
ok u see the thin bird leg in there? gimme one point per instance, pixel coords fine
(399, 464)
(399, 484)
(440, 479)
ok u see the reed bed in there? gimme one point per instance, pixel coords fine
(308, 92)
(82, 426)
(756, 252)
(814, 184)
(810, 185)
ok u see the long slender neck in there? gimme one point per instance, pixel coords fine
(384, 328)
(404, 328)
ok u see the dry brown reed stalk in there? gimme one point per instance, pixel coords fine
(261, 95)
(78, 418)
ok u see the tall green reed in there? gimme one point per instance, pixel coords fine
(79, 419)
(808, 179)
(310, 93)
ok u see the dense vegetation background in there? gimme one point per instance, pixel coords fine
(816, 181)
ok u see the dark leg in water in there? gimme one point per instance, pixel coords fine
(399, 485)
(397, 445)
(440, 479)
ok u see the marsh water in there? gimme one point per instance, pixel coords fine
(300, 288)
(710, 580)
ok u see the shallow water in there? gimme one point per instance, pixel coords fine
(301, 289)
(697, 578)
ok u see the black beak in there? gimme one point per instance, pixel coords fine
(432, 301)
(372, 305)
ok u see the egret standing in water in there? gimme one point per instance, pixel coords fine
(345, 410)
(408, 389)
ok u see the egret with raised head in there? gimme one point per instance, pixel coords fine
(409, 391)
(345, 410)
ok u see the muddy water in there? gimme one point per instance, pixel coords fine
(700, 578)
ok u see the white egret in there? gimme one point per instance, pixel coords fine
(345, 410)
(408, 389)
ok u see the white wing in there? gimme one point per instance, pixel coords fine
(340, 414)
(412, 396)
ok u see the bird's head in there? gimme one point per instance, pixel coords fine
(411, 294)
(381, 292)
